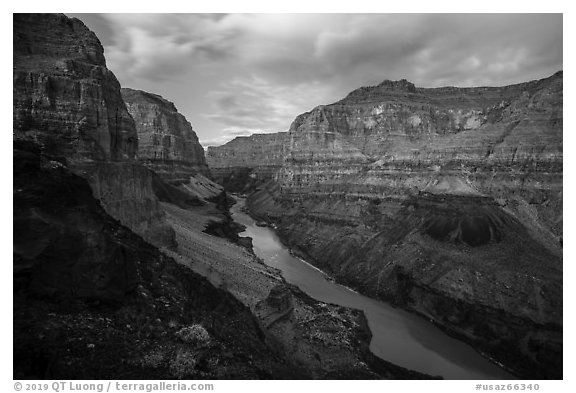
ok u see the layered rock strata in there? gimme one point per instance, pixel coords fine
(389, 133)
(68, 102)
(447, 201)
(167, 144)
(64, 96)
(247, 161)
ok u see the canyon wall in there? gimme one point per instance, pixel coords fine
(167, 144)
(69, 103)
(247, 161)
(92, 299)
(395, 138)
(446, 201)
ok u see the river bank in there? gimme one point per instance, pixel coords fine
(398, 336)
(320, 340)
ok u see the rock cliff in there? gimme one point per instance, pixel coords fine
(446, 201)
(247, 161)
(167, 144)
(69, 103)
(64, 96)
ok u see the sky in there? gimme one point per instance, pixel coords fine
(238, 74)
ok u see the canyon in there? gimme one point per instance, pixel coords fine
(127, 263)
(446, 202)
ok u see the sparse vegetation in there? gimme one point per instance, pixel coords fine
(195, 335)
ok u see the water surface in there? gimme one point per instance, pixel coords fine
(397, 336)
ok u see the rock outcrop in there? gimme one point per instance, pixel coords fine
(247, 161)
(446, 201)
(69, 103)
(167, 144)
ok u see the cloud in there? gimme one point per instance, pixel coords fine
(162, 46)
(259, 71)
(334, 48)
(257, 103)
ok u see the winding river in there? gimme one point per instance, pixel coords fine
(397, 336)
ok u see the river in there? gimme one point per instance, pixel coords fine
(398, 336)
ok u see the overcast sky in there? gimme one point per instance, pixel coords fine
(236, 74)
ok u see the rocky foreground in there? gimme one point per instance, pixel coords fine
(445, 201)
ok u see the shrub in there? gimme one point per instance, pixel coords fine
(195, 334)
